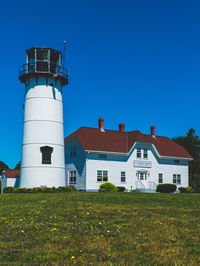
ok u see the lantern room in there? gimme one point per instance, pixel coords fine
(43, 61)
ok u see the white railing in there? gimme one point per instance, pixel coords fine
(140, 186)
(152, 185)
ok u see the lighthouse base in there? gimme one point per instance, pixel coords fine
(42, 176)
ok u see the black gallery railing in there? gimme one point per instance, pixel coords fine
(43, 67)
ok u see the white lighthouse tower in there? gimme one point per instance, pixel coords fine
(42, 161)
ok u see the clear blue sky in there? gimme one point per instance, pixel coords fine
(132, 62)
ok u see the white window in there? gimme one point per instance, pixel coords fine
(72, 177)
(138, 153)
(141, 175)
(176, 179)
(160, 178)
(102, 175)
(123, 176)
(145, 154)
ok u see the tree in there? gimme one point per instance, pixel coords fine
(191, 143)
(17, 166)
(3, 166)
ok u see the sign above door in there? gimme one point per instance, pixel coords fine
(144, 164)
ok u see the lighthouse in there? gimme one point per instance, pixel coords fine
(42, 162)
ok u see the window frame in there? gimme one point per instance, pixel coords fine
(145, 153)
(71, 152)
(139, 153)
(72, 177)
(102, 175)
(103, 156)
(177, 179)
(123, 176)
(160, 178)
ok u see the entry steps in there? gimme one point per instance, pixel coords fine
(145, 190)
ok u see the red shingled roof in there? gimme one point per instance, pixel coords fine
(12, 172)
(114, 141)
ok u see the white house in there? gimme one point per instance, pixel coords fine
(129, 159)
(11, 176)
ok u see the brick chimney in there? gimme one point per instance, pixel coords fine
(101, 124)
(121, 127)
(153, 131)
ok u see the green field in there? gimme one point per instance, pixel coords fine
(100, 229)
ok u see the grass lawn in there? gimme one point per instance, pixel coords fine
(99, 229)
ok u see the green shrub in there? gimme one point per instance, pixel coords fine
(190, 190)
(8, 190)
(133, 190)
(166, 188)
(121, 189)
(70, 189)
(182, 189)
(60, 189)
(39, 190)
(105, 187)
(34, 190)
(185, 189)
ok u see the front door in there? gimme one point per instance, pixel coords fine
(142, 176)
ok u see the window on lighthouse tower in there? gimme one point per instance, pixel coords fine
(46, 154)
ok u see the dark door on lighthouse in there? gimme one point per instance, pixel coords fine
(46, 154)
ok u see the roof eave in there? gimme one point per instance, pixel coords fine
(176, 158)
(107, 152)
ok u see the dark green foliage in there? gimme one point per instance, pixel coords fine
(133, 190)
(166, 188)
(8, 190)
(105, 187)
(17, 166)
(39, 189)
(182, 189)
(191, 142)
(121, 189)
(185, 189)
(3, 166)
